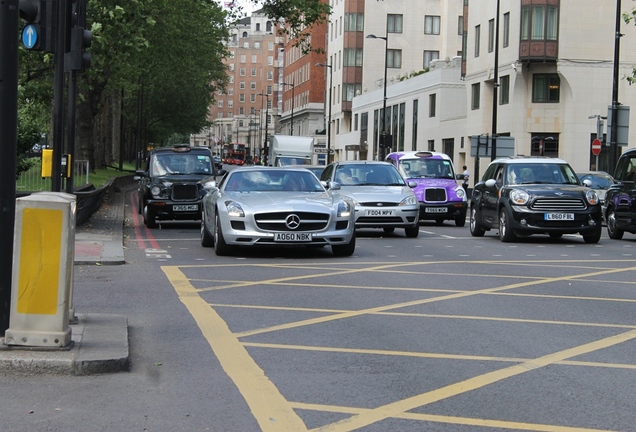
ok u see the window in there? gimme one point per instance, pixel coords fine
(394, 23)
(253, 71)
(431, 104)
(353, 22)
(539, 22)
(270, 75)
(428, 56)
(355, 122)
(477, 39)
(231, 67)
(220, 103)
(253, 85)
(269, 90)
(544, 144)
(231, 79)
(241, 111)
(506, 29)
(350, 90)
(460, 25)
(270, 46)
(394, 58)
(270, 60)
(257, 45)
(491, 35)
(246, 45)
(474, 96)
(242, 97)
(230, 91)
(252, 98)
(352, 57)
(231, 54)
(431, 145)
(254, 58)
(242, 72)
(431, 24)
(545, 88)
(504, 90)
(230, 104)
(242, 85)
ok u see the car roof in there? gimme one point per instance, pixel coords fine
(181, 148)
(529, 160)
(419, 155)
(362, 162)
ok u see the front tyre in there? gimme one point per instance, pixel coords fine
(149, 218)
(412, 232)
(345, 249)
(475, 228)
(594, 237)
(505, 231)
(221, 248)
(612, 230)
(460, 220)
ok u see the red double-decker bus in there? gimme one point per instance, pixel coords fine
(234, 154)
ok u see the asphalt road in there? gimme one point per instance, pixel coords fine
(445, 332)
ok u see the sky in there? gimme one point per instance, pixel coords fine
(247, 5)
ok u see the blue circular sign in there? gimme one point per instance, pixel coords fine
(29, 36)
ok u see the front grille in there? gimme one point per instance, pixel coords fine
(276, 221)
(185, 192)
(435, 195)
(558, 204)
(379, 204)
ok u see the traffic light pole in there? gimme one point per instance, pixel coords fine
(58, 96)
(9, 18)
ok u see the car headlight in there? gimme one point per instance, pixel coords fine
(592, 197)
(409, 201)
(519, 197)
(344, 209)
(234, 209)
(460, 192)
(159, 190)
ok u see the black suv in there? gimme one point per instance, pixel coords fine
(171, 187)
(534, 195)
(620, 199)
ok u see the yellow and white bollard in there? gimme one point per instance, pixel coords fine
(43, 258)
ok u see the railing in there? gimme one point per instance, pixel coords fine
(32, 181)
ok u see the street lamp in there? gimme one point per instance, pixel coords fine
(329, 122)
(292, 107)
(265, 148)
(384, 137)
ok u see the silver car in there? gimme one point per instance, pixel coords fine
(265, 206)
(381, 196)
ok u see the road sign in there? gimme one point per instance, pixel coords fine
(29, 36)
(596, 147)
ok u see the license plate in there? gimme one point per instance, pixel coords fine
(191, 207)
(374, 212)
(559, 216)
(292, 237)
(435, 210)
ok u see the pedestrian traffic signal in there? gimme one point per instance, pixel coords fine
(40, 31)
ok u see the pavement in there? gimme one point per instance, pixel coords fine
(99, 342)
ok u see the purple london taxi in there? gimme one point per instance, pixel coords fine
(437, 191)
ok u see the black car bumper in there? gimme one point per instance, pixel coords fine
(443, 211)
(175, 210)
(530, 221)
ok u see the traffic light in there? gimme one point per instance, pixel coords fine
(77, 58)
(39, 33)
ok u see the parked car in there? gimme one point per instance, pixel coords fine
(534, 195)
(171, 185)
(264, 206)
(382, 197)
(316, 169)
(620, 199)
(437, 191)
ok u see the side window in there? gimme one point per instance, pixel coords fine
(499, 175)
(326, 174)
(625, 168)
(489, 173)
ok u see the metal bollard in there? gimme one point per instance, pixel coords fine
(43, 259)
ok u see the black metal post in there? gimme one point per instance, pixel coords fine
(495, 101)
(72, 102)
(9, 18)
(58, 96)
(617, 48)
(329, 121)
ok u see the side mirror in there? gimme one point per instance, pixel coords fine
(587, 183)
(332, 185)
(210, 185)
(221, 172)
(412, 184)
(491, 182)
(459, 176)
(139, 174)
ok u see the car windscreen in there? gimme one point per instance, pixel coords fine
(269, 180)
(426, 168)
(541, 173)
(368, 175)
(180, 164)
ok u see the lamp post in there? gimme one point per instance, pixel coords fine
(329, 121)
(384, 137)
(265, 148)
(292, 107)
